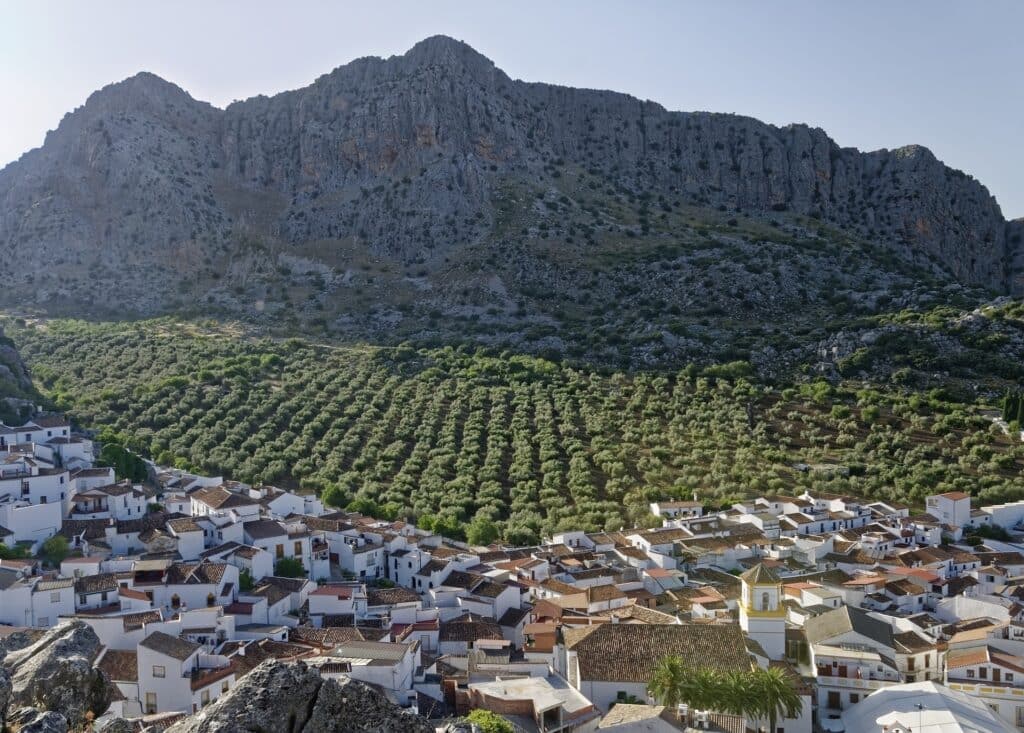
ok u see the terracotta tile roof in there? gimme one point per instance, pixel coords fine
(205, 677)
(90, 529)
(513, 616)
(629, 652)
(217, 497)
(185, 524)
(325, 638)
(132, 593)
(273, 593)
(827, 626)
(120, 666)
(263, 529)
(557, 586)
(388, 596)
(101, 583)
(489, 589)
(291, 585)
(259, 651)
(172, 646)
(133, 621)
(196, 573)
(910, 642)
(599, 593)
(639, 614)
(470, 627)
(155, 520)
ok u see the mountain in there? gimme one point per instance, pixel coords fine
(429, 196)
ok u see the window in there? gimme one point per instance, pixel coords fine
(970, 674)
(280, 551)
(159, 670)
(765, 605)
(1008, 676)
(42, 499)
(983, 673)
(298, 548)
(224, 686)
(854, 697)
(910, 664)
(204, 697)
(55, 596)
(150, 703)
(175, 601)
(81, 600)
(103, 596)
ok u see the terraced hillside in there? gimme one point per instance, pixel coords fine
(532, 444)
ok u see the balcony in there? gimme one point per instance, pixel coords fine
(855, 677)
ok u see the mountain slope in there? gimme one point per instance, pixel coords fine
(17, 394)
(428, 196)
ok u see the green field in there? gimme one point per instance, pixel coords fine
(532, 444)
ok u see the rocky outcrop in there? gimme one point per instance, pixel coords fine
(5, 694)
(19, 640)
(146, 200)
(31, 720)
(293, 698)
(56, 675)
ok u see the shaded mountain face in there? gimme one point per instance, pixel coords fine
(429, 195)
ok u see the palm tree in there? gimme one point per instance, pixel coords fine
(668, 682)
(735, 695)
(772, 694)
(705, 689)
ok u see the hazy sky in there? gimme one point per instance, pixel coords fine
(873, 74)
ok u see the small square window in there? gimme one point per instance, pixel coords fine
(159, 670)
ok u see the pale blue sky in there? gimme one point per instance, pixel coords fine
(872, 73)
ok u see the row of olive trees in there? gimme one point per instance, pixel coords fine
(760, 694)
(527, 445)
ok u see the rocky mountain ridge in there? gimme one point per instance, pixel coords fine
(395, 195)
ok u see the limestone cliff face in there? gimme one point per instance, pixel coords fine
(145, 199)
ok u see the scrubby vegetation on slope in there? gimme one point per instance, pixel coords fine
(532, 444)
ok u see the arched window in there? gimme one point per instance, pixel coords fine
(210, 599)
(765, 606)
(175, 601)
